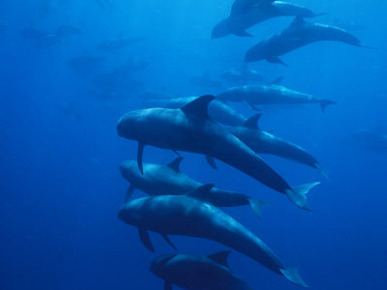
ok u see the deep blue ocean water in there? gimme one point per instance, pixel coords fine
(60, 184)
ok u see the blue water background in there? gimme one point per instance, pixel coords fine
(60, 184)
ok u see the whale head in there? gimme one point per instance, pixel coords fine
(221, 29)
(160, 263)
(145, 125)
(132, 212)
(256, 53)
(129, 169)
(130, 125)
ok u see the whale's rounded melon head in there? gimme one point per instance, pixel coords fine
(130, 125)
(131, 212)
(220, 30)
(256, 53)
(159, 265)
(129, 168)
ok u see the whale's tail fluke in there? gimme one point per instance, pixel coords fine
(298, 194)
(293, 276)
(257, 205)
(322, 170)
(325, 103)
(275, 59)
(368, 47)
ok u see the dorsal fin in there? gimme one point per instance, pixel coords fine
(145, 239)
(202, 192)
(252, 122)
(299, 20)
(167, 285)
(220, 257)
(198, 107)
(277, 81)
(175, 164)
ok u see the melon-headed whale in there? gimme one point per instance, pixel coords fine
(197, 272)
(266, 143)
(247, 13)
(169, 180)
(299, 33)
(190, 129)
(183, 215)
(271, 94)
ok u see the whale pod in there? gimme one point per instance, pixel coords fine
(190, 129)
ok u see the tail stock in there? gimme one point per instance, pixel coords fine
(293, 276)
(298, 194)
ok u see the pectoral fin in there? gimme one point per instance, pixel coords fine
(242, 33)
(140, 151)
(277, 81)
(211, 161)
(145, 239)
(250, 106)
(166, 238)
(275, 59)
(257, 205)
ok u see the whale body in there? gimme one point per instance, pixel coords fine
(190, 129)
(217, 111)
(271, 94)
(169, 180)
(299, 33)
(197, 272)
(245, 14)
(183, 215)
(264, 142)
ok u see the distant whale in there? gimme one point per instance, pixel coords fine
(271, 94)
(241, 76)
(197, 272)
(373, 139)
(169, 180)
(247, 13)
(264, 142)
(299, 33)
(190, 129)
(217, 111)
(183, 215)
